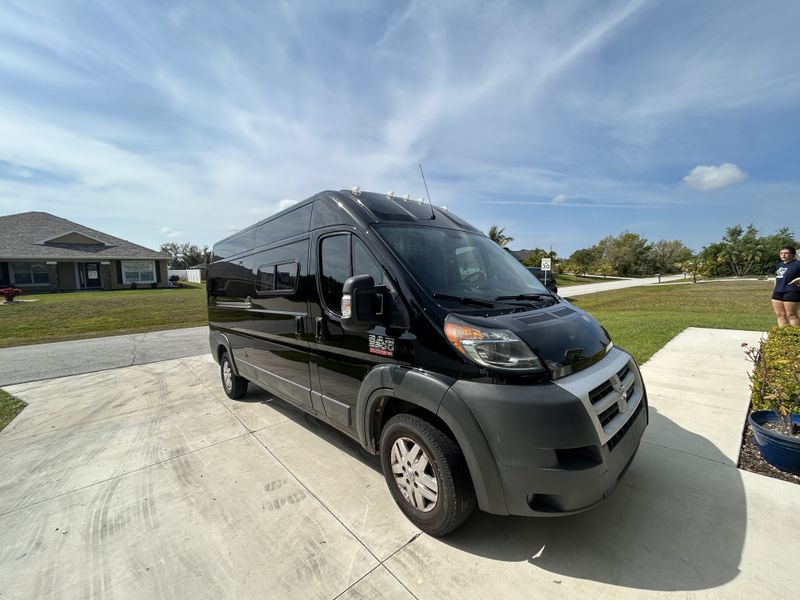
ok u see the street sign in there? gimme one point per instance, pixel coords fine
(546, 264)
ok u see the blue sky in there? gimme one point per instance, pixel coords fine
(562, 122)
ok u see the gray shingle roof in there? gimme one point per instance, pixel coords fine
(22, 236)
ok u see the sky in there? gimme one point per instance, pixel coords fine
(561, 122)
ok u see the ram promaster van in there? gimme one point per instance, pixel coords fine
(409, 330)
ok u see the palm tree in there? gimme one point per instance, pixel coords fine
(496, 235)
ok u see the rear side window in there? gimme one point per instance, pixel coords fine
(292, 223)
(277, 278)
(343, 256)
(237, 244)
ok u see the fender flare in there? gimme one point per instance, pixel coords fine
(415, 386)
(218, 339)
(433, 392)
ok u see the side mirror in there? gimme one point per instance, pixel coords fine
(363, 304)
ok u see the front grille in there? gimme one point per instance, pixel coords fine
(624, 371)
(600, 392)
(617, 437)
(608, 414)
(611, 398)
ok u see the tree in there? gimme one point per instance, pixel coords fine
(496, 235)
(694, 265)
(186, 255)
(624, 254)
(536, 256)
(664, 255)
(582, 260)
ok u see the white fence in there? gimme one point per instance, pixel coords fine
(192, 275)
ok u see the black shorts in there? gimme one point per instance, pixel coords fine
(786, 296)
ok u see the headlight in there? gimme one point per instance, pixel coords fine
(493, 348)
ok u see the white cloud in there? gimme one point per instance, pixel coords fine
(286, 203)
(705, 177)
(560, 199)
(170, 233)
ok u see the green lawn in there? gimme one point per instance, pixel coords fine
(10, 407)
(644, 319)
(78, 315)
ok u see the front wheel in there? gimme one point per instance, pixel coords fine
(234, 386)
(426, 474)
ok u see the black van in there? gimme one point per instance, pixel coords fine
(411, 331)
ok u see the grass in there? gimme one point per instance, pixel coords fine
(643, 319)
(10, 407)
(79, 315)
(640, 319)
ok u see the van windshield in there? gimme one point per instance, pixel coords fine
(461, 264)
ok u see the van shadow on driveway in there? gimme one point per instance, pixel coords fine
(676, 522)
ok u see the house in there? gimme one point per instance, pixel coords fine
(41, 252)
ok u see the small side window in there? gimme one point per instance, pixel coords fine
(286, 276)
(280, 277)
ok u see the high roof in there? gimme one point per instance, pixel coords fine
(42, 235)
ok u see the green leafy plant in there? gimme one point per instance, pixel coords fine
(9, 293)
(134, 285)
(775, 379)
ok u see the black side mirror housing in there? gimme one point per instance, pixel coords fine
(364, 305)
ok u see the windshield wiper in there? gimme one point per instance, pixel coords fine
(465, 300)
(526, 297)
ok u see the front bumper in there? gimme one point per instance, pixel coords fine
(554, 448)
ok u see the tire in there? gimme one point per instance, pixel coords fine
(438, 497)
(234, 386)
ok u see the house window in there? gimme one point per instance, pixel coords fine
(138, 271)
(30, 273)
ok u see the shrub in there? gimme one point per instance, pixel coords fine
(174, 278)
(10, 293)
(775, 380)
(154, 285)
(134, 286)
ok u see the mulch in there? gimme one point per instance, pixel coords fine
(750, 460)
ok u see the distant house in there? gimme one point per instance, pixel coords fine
(43, 252)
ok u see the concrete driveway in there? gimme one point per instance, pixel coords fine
(148, 482)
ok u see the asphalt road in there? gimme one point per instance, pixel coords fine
(617, 284)
(59, 359)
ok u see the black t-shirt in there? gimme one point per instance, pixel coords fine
(786, 272)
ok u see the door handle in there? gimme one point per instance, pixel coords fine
(318, 325)
(298, 327)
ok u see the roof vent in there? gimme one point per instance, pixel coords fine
(356, 191)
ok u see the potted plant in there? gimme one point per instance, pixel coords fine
(9, 293)
(775, 386)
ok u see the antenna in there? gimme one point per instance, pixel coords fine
(433, 214)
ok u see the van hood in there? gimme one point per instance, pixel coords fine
(565, 337)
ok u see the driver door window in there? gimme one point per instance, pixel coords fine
(342, 256)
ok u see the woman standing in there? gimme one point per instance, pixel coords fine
(786, 296)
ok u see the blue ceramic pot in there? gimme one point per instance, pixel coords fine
(779, 450)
